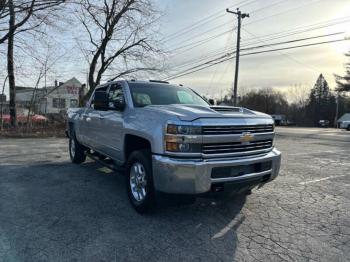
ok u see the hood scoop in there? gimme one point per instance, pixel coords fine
(228, 109)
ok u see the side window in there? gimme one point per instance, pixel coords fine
(115, 94)
(99, 89)
(58, 103)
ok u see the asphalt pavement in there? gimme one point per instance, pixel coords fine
(52, 210)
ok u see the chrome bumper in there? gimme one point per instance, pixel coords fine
(181, 176)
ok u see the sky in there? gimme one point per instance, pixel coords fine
(279, 70)
(194, 32)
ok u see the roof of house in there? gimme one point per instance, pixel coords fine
(24, 88)
(345, 117)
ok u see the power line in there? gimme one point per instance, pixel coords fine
(200, 34)
(254, 21)
(221, 25)
(268, 6)
(200, 22)
(200, 42)
(226, 49)
(286, 55)
(230, 51)
(278, 35)
(299, 46)
(297, 30)
(223, 59)
(280, 13)
(290, 41)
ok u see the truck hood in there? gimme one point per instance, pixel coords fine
(193, 112)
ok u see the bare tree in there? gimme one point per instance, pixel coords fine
(298, 94)
(21, 16)
(121, 37)
(43, 63)
(10, 64)
(30, 14)
(1, 103)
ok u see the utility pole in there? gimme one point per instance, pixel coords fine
(240, 16)
(336, 110)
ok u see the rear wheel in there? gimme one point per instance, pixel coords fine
(76, 150)
(140, 181)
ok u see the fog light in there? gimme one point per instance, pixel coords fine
(171, 147)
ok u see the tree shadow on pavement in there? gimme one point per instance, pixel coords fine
(60, 212)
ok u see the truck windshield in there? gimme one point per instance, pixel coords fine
(163, 94)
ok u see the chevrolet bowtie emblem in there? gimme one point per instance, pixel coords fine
(246, 137)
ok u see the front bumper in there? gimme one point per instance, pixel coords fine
(181, 176)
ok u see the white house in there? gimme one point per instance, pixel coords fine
(59, 98)
(52, 99)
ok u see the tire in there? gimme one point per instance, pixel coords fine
(76, 151)
(139, 181)
(348, 128)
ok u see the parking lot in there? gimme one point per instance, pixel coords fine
(52, 210)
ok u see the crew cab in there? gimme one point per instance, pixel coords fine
(168, 139)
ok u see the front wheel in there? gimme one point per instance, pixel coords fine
(76, 151)
(139, 181)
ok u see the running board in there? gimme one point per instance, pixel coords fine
(104, 163)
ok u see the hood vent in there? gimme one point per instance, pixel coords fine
(228, 109)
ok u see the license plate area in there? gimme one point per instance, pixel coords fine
(240, 170)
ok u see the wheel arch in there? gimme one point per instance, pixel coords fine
(134, 142)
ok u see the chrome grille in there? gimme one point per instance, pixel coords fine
(226, 130)
(236, 147)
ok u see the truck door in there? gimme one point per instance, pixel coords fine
(92, 122)
(111, 124)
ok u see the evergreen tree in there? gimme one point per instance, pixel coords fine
(321, 103)
(343, 82)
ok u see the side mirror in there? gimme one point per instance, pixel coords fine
(101, 101)
(211, 101)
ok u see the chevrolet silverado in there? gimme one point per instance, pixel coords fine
(168, 139)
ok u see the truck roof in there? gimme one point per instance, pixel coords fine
(148, 81)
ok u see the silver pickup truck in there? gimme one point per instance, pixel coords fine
(168, 139)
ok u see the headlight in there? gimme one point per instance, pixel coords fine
(183, 139)
(184, 130)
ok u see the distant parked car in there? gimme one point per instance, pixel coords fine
(323, 123)
(345, 125)
(22, 119)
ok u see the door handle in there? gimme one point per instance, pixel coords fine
(101, 117)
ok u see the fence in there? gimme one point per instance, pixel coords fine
(34, 126)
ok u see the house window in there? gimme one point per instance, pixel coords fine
(58, 103)
(73, 103)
